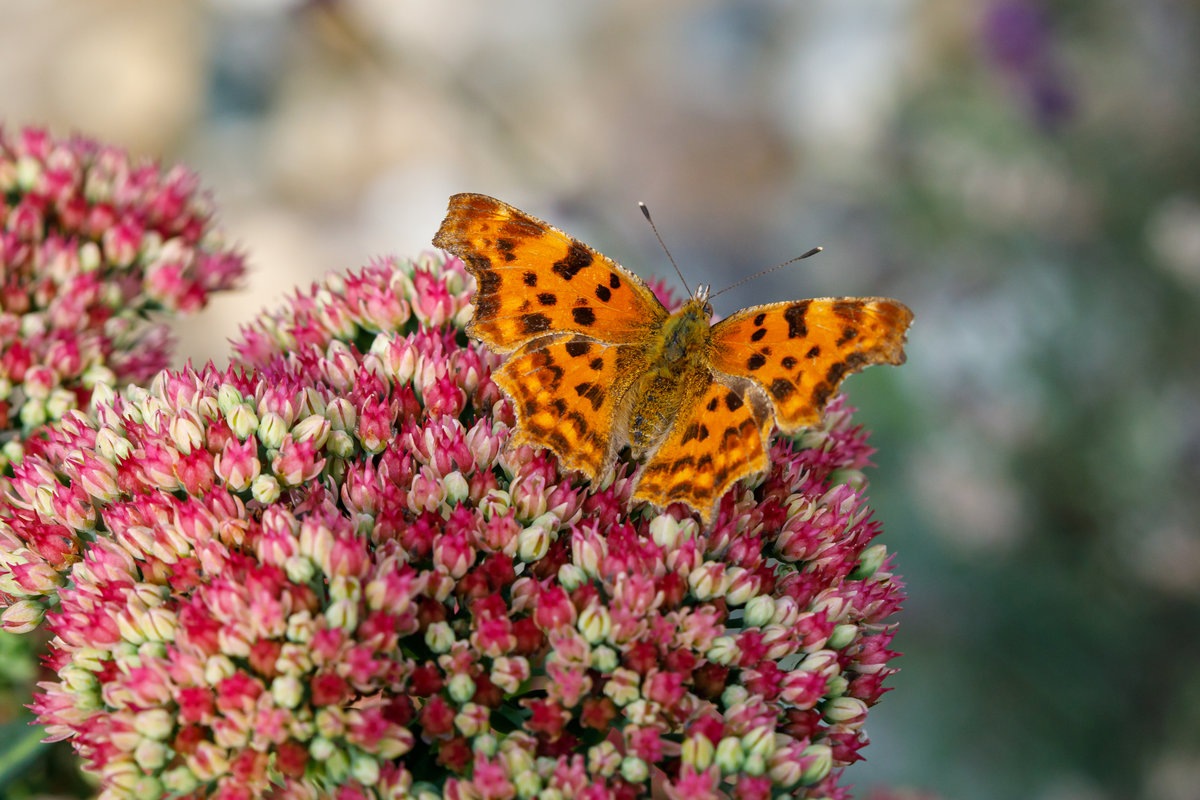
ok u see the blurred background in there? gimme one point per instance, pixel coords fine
(1024, 174)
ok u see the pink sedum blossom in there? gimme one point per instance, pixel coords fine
(321, 574)
(91, 244)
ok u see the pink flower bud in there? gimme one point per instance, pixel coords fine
(238, 464)
(444, 397)
(554, 609)
(297, 461)
(374, 425)
(122, 241)
(35, 578)
(453, 555)
(22, 616)
(803, 688)
(39, 382)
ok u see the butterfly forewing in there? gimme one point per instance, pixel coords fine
(533, 279)
(799, 352)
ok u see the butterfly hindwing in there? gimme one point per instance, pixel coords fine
(718, 439)
(566, 394)
(535, 280)
(799, 352)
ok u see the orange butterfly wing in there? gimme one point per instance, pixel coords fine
(720, 438)
(577, 320)
(534, 280)
(799, 352)
(567, 395)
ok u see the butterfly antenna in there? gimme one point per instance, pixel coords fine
(646, 214)
(812, 252)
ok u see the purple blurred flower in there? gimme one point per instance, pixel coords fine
(1017, 38)
(1016, 34)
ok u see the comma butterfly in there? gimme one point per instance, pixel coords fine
(598, 363)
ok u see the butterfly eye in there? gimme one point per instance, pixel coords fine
(708, 309)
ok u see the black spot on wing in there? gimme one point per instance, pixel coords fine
(794, 314)
(788, 362)
(547, 298)
(577, 258)
(604, 293)
(837, 371)
(592, 393)
(782, 389)
(558, 442)
(577, 349)
(733, 402)
(712, 404)
(505, 246)
(477, 263)
(596, 364)
(813, 352)
(692, 432)
(756, 361)
(489, 282)
(758, 319)
(681, 489)
(579, 422)
(614, 281)
(820, 394)
(758, 334)
(848, 333)
(486, 306)
(653, 468)
(535, 323)
(530, 279)
(682, 463)
(584, 316)
(846, 309)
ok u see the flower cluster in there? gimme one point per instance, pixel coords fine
(90, 244)
(321, 573)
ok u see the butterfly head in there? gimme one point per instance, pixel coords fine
(700, 301)
(685, 334)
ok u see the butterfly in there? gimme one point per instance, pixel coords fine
(596, 363)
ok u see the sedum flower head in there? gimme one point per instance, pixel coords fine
(91, 242)
(320, 573)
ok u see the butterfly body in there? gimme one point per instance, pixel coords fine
(597, 363)
(676, 355)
